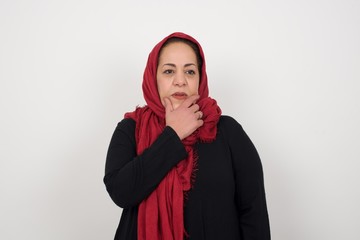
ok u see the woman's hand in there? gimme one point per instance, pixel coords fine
(186, 118)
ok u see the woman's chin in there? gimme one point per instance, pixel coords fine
(176, 105)
(174, 102)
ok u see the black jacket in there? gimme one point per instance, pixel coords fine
(227, 200)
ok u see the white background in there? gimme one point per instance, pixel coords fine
(288, 71)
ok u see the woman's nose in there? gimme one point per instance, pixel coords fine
(179, 79)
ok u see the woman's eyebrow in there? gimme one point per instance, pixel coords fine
(174, 65)
(169, 64)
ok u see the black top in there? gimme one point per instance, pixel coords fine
(227, 200)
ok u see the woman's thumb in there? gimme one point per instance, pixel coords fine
(168, 105)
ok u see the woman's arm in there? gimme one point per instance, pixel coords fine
(130, 178)
(250, 192)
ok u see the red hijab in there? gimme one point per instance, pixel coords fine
(161, 214)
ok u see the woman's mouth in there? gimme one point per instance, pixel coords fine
(179, 95)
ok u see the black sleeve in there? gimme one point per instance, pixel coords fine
(250, 192)
(130, 178)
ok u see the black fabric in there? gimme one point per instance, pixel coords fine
(227, 200)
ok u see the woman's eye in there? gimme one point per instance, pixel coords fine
(191, 72)
(168, 71)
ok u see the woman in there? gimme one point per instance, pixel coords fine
(177, 167)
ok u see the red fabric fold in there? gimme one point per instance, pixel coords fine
(161, 214)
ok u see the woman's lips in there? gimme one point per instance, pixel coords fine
(179, 95)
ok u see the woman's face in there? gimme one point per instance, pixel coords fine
(177, 73)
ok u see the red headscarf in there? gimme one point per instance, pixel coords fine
(161, 214)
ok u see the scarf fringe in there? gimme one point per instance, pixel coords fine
(193, 175)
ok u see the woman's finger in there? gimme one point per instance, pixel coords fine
(190, 101)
